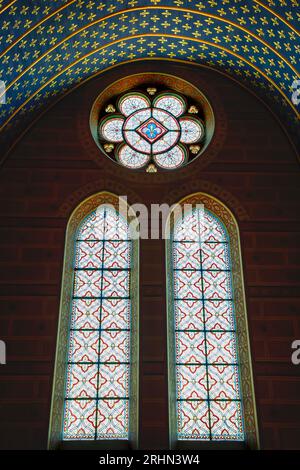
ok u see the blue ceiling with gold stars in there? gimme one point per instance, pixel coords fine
(49, 47)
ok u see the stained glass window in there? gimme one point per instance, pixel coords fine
(98, 365)
(142, 130)
(208, 387)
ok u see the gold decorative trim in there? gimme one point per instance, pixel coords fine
(7, 6)
(35, 26)
(57, 403)
(289, 25)
(141, 8)
(247, 385)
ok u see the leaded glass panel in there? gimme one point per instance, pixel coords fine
(98, 370)
(208, 391)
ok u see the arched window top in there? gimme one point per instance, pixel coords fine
(95, 381)
(212, 397)
(104, 223)
(203, 225)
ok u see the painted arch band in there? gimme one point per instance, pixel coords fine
(157, 130)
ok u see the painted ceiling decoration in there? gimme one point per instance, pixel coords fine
(49, 47)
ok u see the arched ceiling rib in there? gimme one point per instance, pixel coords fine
(48, 47)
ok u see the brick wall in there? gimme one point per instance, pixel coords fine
(254, 170)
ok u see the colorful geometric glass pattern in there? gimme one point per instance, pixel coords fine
(151, 129)
(97, 382)
(208, 393)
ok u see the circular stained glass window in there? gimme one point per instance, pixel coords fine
(151, 130)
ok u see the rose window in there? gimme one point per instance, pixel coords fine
(151, 130)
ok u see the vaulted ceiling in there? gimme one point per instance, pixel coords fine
(49, 47)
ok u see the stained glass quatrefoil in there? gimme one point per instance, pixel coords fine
(152, 130)
(142, 129)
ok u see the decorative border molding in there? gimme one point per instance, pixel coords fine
(92, 188)
(214, 189)
(247, 384)
(57, 404)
